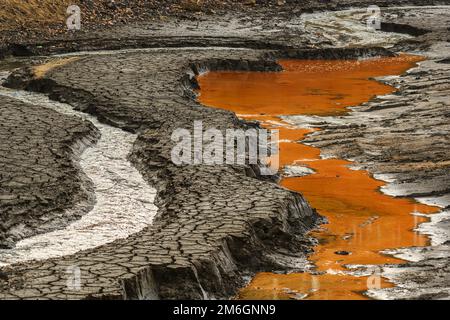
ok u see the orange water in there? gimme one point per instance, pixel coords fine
(361, 220)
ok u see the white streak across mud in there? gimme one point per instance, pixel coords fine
(124, 201)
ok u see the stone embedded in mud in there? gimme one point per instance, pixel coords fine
(296, 171)
(342, 253)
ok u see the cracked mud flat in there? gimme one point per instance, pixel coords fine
(220, 223)
(213, 221)
(120, 202)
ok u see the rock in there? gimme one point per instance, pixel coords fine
(342, 253)
(296, 171)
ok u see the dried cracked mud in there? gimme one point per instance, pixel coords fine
(215, 224)
(213, 220)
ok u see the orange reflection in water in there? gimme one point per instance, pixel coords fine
(361, 220)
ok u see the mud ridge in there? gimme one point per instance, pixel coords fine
(69, 46)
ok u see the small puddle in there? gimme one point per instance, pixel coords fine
(362, 221)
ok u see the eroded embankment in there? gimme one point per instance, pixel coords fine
(361, 221)
(214, 222)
